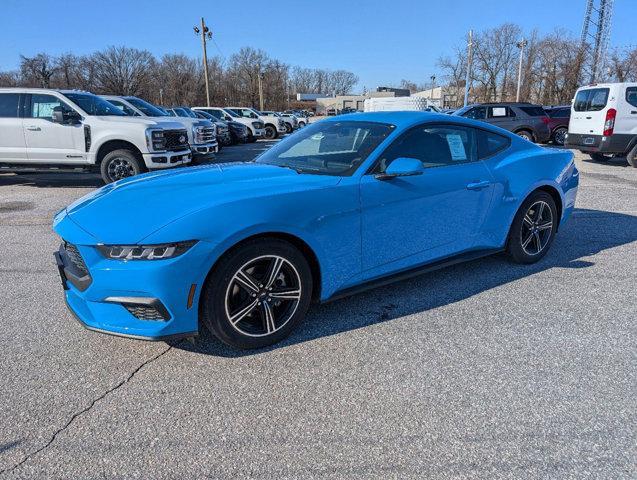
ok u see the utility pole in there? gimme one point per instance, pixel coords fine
(468, 77)
(521, 46)
(261, 108)
(433, 86)
(205, 34)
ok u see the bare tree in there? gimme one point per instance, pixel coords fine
(37, 71)
(124, 71)
(624, 65)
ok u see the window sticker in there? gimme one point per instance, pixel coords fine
(456, 146)
(499, 111)
(44, 110)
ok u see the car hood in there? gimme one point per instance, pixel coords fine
(131, 209)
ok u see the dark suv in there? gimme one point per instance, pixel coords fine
(558, 122)
(526, 119)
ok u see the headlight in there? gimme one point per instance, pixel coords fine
(145, 252)
(155, 140)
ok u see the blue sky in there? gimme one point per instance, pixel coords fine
(381, 41)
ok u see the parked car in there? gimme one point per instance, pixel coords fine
(558, 122)
(524, 119)
(255, 127)
(290, 121)
(604, 121)
(343, 204)
(201, 133)
(301, 116)
(43, 129)
(224, 137)
(274, 126)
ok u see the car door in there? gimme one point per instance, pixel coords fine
(46, 140)
(12, 144)
(501, 116)
(406, 221)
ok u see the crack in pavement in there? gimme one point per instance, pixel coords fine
(83, 411)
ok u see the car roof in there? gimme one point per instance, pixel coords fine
(399, 118)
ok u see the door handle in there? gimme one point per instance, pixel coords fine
(478, 185)
(34, 128)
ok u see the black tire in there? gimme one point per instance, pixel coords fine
(559, 136)
(301, 124)
(251, 138)
(632, 157)
(600, 157)
(288, 128)
(225, 296)
(526, 135)
(270, 132)
(120, 164)
(529, 237)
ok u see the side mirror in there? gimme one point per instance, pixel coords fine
(60, 116)
(402, 167)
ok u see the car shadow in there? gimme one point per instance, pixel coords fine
(53, 180)
(587, 233)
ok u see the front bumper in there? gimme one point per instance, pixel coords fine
(258, 132)
(281, 128)
(202, 149)
(167, 159)
(119, 294)
(616, 143)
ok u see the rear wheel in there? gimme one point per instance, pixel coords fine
(257, 294)
(632, 157)
(533, 228)
(559, 136)
(525, 134)
(301, 124)
(120, 164)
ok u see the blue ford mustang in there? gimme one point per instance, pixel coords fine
(344, 204)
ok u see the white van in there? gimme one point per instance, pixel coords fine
(604, 121)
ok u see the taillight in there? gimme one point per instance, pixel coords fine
(609, 124)
(546, 120)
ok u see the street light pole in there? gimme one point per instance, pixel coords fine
(468, 76)
(521, 46)
(261, 108)
(205, 34)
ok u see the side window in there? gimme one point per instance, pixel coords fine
(500, 112)
(9, 105)
(42, 106)
(490, 143)
(434, 146)
(124, 108)
(477, 113)
(631, 96)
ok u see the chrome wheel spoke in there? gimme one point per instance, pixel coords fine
(292, 294)
(528, 220)
(537, 226)
(241, 314)
(538, 241)
(246, 281)
(275, 269)
(527, 241)
(268, 318)
(545, 225)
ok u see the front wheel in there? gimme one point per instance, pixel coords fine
(120, 164)
(533, 229)
(301, 124)
(288, 128)
(257, 294)
(270, 132)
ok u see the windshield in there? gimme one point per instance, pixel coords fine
(232, 113)
(147, 108)
(462, 110)
(328, 148)
(94, 105)
(188, 112)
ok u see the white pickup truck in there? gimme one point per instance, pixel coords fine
(273, 125)
(42, 129)
(255, 126)
(202, 134)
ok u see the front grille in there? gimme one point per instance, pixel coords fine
(205, 134)
(75, 258)
(145, 312)
(176, 140)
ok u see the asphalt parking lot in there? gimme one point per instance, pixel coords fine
(482, 370)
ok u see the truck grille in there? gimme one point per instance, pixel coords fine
(75, 258)
(176, 140)
(206, 134)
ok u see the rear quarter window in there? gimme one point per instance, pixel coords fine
(490, 143)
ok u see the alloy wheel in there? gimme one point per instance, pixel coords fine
(560, 136)
(537, 228)
(263, 295)
(119, 168)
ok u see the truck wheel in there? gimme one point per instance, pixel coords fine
(599, 157)
(270, 132)
(632, 157)
(120, 164)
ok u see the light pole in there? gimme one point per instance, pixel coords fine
(521, 46)
(259, 78)
(468, 77)
(205, 34)
(433, 86)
